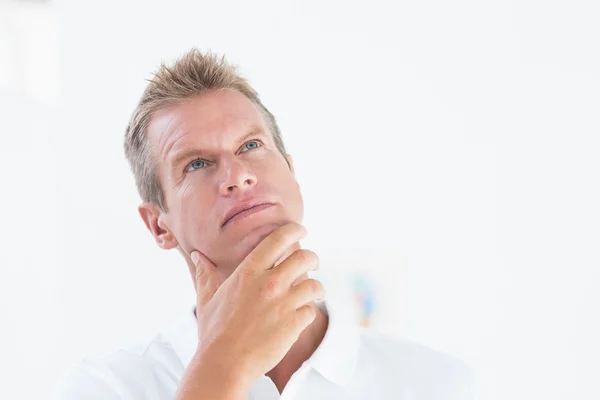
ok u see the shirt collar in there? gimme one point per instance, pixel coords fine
(184, 338)
(335, 358)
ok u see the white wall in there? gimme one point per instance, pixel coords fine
(448, 149)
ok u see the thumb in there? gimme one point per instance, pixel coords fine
(206, 280)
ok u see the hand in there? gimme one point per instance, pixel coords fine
(249, 322)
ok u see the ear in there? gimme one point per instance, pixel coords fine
(154, 219)
(290, 162)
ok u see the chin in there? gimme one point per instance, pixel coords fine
(247, 240)
(254, 236)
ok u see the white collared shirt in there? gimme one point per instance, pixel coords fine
(350, 363)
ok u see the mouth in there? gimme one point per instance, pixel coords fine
(247, 213)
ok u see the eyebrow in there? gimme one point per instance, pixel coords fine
(189, 153)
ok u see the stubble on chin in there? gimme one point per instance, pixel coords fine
(248, 243)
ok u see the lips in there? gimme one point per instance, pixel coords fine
(245, 209)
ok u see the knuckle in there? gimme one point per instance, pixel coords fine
(307, 256)
(253, 258)
(246, 273)
(270, 287)
(278, 237)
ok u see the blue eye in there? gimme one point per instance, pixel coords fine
(196, 164)
(253, 142)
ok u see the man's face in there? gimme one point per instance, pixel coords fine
(214, 153)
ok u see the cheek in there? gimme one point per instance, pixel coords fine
(286, 186)
(194, 208)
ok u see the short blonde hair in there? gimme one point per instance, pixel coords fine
(192, 74)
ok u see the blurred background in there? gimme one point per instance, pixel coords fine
(447, 153)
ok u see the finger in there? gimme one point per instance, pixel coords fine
(297, 264)
(303, 317)
(272, 248)
(305, 293)
(207, 280)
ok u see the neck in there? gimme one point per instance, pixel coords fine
(303, 348)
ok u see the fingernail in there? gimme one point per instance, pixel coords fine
(195, 257)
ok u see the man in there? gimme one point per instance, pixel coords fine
(218, 186)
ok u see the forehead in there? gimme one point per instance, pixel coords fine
(211, 118)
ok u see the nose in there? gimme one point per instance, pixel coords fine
(237, 177)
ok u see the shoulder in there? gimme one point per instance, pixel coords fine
(419, 369)
(139, 372)
(403, 352)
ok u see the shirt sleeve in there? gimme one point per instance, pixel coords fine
(81, 383)
(474, 386)
(461, 385)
